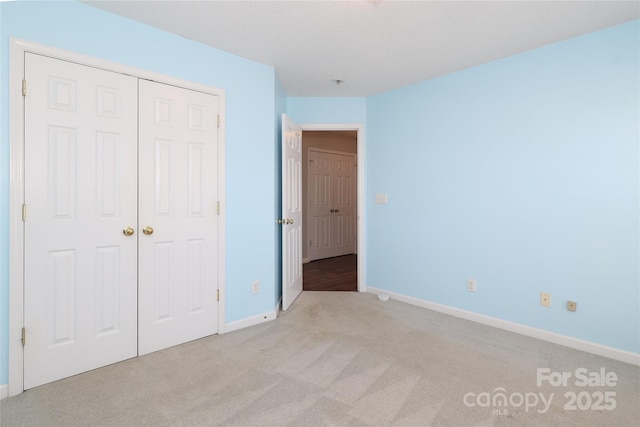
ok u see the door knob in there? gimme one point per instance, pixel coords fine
(128, 231)
(147, 230)
(281, 221)
(289, 221)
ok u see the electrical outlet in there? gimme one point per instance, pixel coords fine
(255, 287)
(472, 285)
(545, 299)
(572, 305)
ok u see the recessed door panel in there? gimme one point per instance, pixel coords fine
(163, 179)
(196, 275)
(62, 172)
(163, 111)
(108, 284)
(197, 117)
(109, 185)
(197, 180)
(163, 282)
(108, 102)
(62, 297)
(62, 93)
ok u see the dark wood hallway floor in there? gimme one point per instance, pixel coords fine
(331, 274)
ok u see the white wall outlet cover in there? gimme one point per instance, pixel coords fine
(472, 285)
(383, 297)
(545, 299)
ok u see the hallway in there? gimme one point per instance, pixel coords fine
(331, 274)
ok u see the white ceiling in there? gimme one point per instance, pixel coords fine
(373, 46)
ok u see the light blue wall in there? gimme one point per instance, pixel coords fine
(524, 174)
(250, 130)
(327, 110)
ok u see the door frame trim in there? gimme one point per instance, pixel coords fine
(17, 50)
(361, 214)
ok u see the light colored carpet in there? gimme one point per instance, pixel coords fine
(340, 358)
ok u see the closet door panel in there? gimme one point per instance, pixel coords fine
(80, 290)
(178, 140)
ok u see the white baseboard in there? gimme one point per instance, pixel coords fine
(566, 341)
(305, 260)
(250, 321)
(4, 391)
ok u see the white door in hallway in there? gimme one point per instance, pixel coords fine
(291, 211)
(178, 237)
(343, 227)
(80, 293)
(332, 204)
(319, 206)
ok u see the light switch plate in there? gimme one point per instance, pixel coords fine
(381, 198)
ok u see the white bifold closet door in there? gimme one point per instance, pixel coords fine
(178, 196)
(121, 230)
(80, 291)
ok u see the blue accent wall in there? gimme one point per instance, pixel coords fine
(250, 130)
(327, 110)
(522, 173)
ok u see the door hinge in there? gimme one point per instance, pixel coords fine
(218, 208)
(24, 87)
(218, 121)
(24, 212)
(218, 295)
(23, 337)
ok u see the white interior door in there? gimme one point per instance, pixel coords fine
(178, 219)
(80, 193)
(343, 224)
(332, 204)
(320, 210)
(291, 211)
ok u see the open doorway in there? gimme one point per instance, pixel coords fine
(330, 210)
